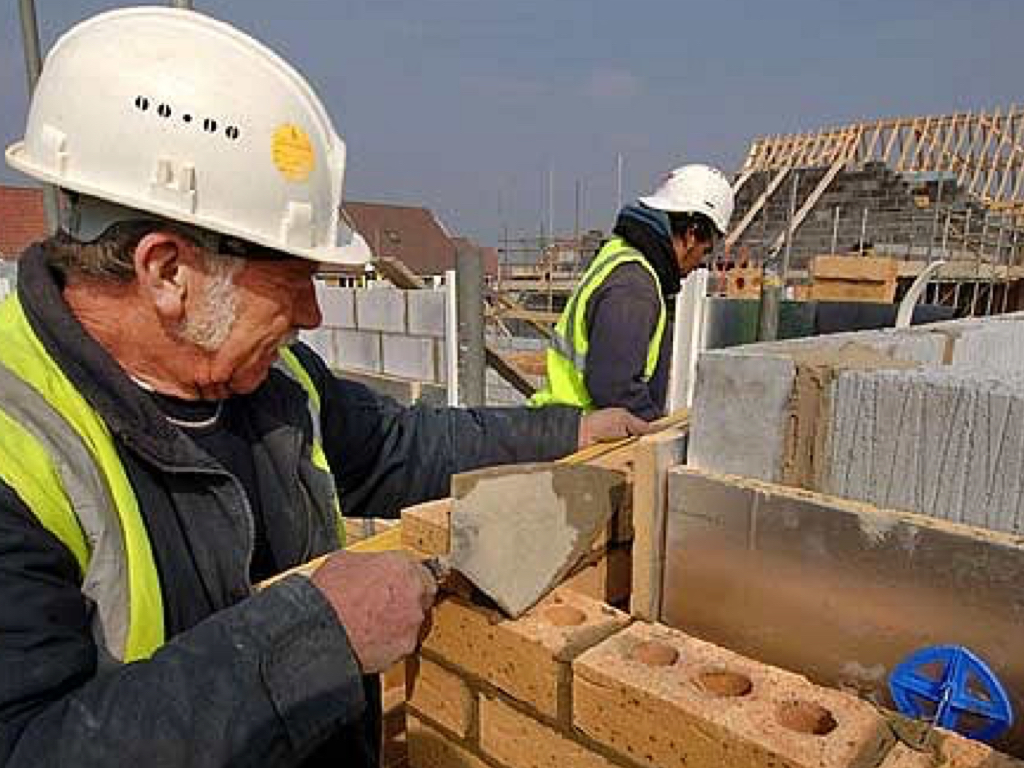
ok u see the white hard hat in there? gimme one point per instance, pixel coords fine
(695, 189)
(172, 113)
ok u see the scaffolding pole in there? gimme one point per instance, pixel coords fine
(33, 67)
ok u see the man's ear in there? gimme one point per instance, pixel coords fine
(163, 262)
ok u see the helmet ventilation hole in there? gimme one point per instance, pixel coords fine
(210, 125)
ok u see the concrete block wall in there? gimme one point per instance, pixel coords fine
(869, 416)
(896, 225)
(392, 333)
(382, 330)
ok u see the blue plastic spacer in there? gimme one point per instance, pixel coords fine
(957, 684)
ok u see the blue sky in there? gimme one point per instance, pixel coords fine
(471, 107)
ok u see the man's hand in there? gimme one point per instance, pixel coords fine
(382, 600)
(610, 424)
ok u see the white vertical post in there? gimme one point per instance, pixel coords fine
(451, 336)
(689, 337)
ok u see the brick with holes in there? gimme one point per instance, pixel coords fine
(661, 698)
(527, 658)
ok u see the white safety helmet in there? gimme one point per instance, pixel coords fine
(169, 112)
(695, 189)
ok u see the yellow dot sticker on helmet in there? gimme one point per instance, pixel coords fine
(293, 152)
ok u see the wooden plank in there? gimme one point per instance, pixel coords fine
(846, 290)
(870, 268)
(983, 150)
(509, 372)
(653, 456)
(754, 209)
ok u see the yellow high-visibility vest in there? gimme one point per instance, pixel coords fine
(567, 354)
(59, 457)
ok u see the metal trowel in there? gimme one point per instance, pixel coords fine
(517, 531)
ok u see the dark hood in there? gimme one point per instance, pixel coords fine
(649, 232)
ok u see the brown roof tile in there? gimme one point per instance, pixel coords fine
(404, 232)
(22, 219)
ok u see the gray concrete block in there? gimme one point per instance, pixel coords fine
(994, 345)
(739, 413)
(380, 309)
(410, 357)
(426, 312)
(323, 343)
(358, 350)
(947, 442)
(337, 305)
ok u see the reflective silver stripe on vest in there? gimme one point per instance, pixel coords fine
(559, 343)
(105, 583)
(564, 347)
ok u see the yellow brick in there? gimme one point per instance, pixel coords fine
(425, 527)
(663, 699)
(440, 696)
(949, 750)
(517, 741)
(428, 748)
(527, 658)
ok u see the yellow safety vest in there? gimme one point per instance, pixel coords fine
(567, 354)
(59, 457)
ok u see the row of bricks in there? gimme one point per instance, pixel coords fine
(589, 688)
(647, 693)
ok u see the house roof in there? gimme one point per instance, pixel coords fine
(408, 233)
(22, 219)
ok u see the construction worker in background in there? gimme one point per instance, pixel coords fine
(611, 346)
(164, 443)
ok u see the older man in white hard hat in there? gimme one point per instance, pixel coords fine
(611, 346)
(164, 443)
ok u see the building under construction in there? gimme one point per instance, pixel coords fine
(915, 190)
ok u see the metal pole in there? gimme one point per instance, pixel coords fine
(789, 229)
(835, 232)
(551, 202)
(1010, 254)
(33, 67)
(863, 232)
(451, 336)
(618, 183)
(469, 288)
(771, 298)
(935, 220)
(992, 266)
(977, 263)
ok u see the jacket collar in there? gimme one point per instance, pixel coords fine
(128, 412)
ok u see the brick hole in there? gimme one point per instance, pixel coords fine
(565, 616)
(654, 654)
(724, 684)
(806, 717)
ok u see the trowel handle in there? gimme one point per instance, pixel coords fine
(439, 568)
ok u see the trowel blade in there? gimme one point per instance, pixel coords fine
(516, 531)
